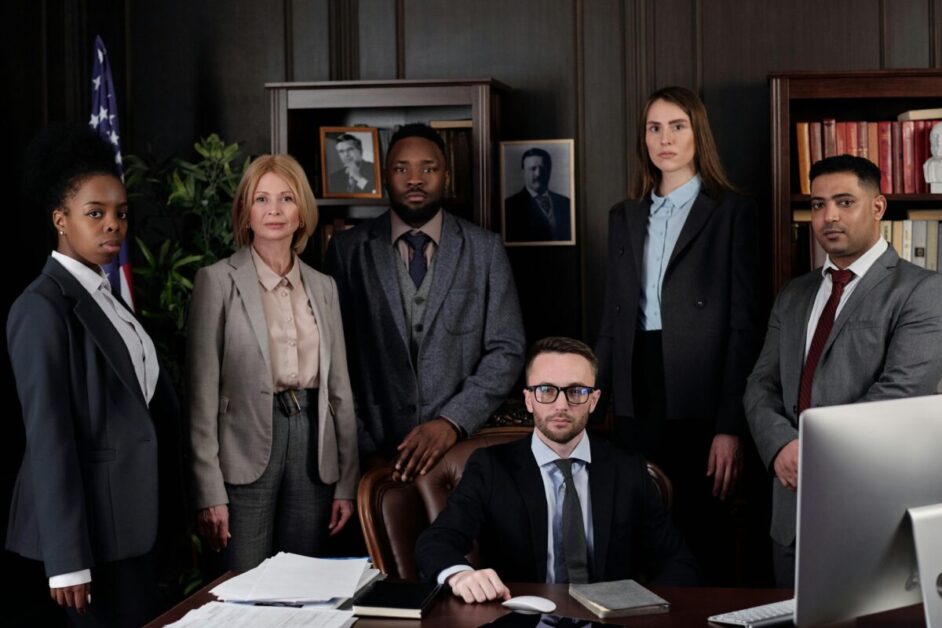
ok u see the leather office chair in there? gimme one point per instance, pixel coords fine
(393, 514)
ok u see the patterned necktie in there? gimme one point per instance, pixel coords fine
(418, 265)
(544, 202)
(573, 541)
(839, 279)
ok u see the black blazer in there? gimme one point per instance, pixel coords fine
(501, 503)
(708, 310)
(87, 488)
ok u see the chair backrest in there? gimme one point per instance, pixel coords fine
(394, 514)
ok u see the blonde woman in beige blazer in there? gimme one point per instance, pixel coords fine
(272, 429)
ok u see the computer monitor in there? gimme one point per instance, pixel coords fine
(861, 466)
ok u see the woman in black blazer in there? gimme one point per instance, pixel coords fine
(86, 497)
(677, 338)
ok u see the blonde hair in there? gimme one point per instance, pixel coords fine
(286, 167)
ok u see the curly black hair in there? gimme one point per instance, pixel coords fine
(59, 159)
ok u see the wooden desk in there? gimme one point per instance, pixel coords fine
(689, 607)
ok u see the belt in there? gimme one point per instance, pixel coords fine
(289, 401)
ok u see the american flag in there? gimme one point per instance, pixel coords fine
(105, 121)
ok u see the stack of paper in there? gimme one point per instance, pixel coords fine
(298, 580)
(220, 615)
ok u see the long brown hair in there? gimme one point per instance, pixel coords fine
(646, 176)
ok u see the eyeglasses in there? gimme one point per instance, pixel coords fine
(547, 393)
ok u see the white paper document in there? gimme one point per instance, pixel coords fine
(219, 614)
(293, 578)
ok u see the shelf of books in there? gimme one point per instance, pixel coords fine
(339, 131)
(883, 115)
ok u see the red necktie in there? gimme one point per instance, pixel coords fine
(839, 279)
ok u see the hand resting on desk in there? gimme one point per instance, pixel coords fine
(479, 585)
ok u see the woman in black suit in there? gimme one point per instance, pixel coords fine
(677, 338)
(85, 501)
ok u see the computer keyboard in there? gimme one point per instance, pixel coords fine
(774, 614)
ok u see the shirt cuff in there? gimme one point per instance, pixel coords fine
(70, 579)
(445, 574)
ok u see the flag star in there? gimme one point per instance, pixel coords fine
(114, 138)
(117, 158)
(102, 113)
(96, 82)
(94, 121)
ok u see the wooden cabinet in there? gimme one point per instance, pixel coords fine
(299, 110)
(849, 96)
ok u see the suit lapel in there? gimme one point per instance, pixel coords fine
(445, 263)
(317, 306)
(245, 278)
(794, 335)
(602, 490)
(636, 218)
(380, 257)
(529, 483)
(699, 214)
(99, 328)
(877, 273)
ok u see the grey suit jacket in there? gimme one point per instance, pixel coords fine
(886, 343)
(473, 346)
(230, 385)
(87, 490)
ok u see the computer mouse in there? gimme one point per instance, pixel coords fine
(531, 604)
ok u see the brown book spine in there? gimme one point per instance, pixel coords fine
(814, 142)
(804, 157)
(873, 141)
(907, 129)
(850, 139)
(830, 137)
(897, 152)
(886, 157)
(840, 130)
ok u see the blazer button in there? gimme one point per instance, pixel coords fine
(617, 308)
(701, 303)
(419, 327)
(419, 301)
(795, 410)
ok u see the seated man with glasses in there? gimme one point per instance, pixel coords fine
(555, 507)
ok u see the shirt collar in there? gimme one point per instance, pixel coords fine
(269, 278)
(433, 228)
(538, 194)
(544, 455)
(679, 197)
(89, 279)
(863, 263)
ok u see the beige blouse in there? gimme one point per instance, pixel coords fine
(293, 339)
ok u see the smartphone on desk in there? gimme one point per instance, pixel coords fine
(521, 620)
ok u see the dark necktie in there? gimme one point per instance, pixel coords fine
(418, 266)
(544, 202)
(839, 279)
(574, 545)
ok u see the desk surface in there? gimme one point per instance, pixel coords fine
(689, 607)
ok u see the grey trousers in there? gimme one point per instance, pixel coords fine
(287, 509)
(783, 563)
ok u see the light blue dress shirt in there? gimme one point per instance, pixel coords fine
(554, 486)
(665, 221)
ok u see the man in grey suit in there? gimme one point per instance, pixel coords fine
(866, 326)
(434, 334)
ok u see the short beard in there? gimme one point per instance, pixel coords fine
(418, 216)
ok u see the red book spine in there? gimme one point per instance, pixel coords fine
(814, 142)
(897, 153)
(873, 131)
(863, 141)
(841, 134)
(886, 157)
(850, 139)
(921, 144)
(907, 128)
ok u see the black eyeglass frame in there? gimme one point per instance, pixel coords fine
(587, 389)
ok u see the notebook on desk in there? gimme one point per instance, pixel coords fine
(407, 600)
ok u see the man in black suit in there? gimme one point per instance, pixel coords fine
(536, 213)
(514, 498)
(357, 176)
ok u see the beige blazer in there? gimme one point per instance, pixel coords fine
(230, 388)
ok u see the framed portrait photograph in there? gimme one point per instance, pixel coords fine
(537, 185)
(350, 162)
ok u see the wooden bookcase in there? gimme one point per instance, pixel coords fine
(813, 96)
(298, 110)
